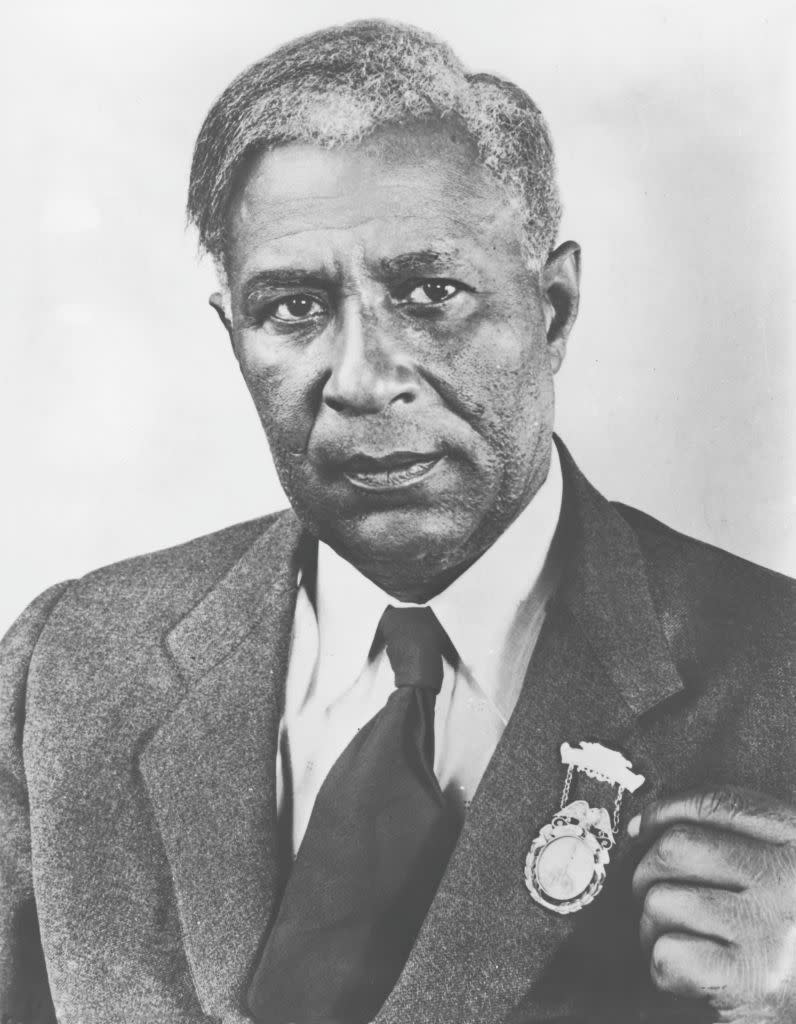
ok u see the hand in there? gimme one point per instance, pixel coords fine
(718, 885)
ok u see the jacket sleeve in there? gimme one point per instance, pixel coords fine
(24, 991)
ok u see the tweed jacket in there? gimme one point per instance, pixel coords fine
(140, 711)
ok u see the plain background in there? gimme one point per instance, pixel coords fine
(125, 426)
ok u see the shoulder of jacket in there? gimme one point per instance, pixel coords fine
(692, 577)
(167, 581)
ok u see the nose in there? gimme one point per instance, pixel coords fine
(368, 371)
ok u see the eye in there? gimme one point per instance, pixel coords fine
(433, 291)
(295, 309)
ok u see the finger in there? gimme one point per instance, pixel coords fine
(710, 913)
(689, 854)
(690, 966)
(737, 810)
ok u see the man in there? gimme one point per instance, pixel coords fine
(293, 771)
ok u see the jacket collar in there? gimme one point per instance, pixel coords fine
(601, 660)
(606, 589)
(259, 583)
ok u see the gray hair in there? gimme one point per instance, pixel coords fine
(339, 85)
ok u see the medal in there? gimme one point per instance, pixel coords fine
(565, 866)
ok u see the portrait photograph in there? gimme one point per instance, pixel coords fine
(400, 513)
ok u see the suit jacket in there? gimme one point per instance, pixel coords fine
(140, 709)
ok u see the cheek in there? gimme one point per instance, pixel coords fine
(502, 372)
(500, 366)
(283, 389)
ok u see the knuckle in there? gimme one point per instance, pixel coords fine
(642, 875)
(669, 846)
(655, 900)
(661, 963)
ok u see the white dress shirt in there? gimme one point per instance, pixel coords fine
(492, 614)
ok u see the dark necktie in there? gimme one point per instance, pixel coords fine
(376, 846)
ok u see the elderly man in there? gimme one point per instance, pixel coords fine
(309, 769)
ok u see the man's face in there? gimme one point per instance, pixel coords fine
(396, 347)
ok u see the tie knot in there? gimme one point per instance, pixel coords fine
(414, 640)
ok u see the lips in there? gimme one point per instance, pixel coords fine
(391, 471)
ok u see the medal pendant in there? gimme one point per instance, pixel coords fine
(565, 866)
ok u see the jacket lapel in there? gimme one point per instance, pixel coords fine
(601, 660)
(209, 769)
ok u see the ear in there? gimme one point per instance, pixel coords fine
(216, 300)
(560, 282)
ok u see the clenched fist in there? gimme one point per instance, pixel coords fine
(718, 888)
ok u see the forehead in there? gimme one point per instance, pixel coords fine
(400, 190)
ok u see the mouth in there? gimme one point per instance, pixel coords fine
(389, 472)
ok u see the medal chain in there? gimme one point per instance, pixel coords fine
(567, 784)
(618, 808)
(617, 803)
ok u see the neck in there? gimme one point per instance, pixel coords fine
(405, 587)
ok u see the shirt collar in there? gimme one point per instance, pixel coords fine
(483, 630)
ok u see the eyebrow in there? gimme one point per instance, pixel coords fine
(424, 261)
(283, 277)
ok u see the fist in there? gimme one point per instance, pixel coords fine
(717, 888)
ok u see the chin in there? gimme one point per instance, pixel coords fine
(403, 537)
